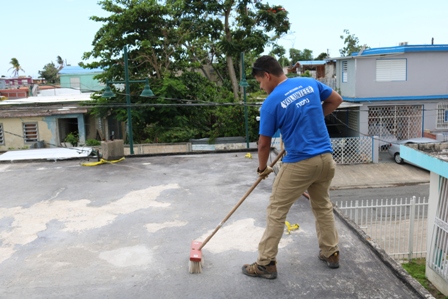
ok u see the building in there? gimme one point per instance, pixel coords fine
(79, 78)
(15, 82)
(44, 121)
(402, 89)
(434, 157)
(18, 87)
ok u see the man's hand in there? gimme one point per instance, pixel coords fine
(264, 174)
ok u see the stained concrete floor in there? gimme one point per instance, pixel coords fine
(124, 231)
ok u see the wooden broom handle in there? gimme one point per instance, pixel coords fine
(240, 201)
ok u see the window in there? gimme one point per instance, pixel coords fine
(2, 138)
(442, 116)
(390, 70)
(30, 132)
(344, 71)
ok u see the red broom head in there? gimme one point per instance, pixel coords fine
(195, 253)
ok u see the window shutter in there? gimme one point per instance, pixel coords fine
(390, 70)
(344, 71)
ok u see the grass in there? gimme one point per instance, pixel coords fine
(416, 268)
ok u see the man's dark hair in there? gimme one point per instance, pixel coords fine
(266, 64)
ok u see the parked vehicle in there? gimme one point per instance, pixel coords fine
(394, 148)
(385, 137)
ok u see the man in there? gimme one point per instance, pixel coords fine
(297, 107)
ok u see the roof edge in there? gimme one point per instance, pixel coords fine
(395, 50)
(396, 98)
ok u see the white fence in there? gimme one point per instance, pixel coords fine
(397, 225)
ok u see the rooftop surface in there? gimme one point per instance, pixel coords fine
(124, 231)
(48, 99)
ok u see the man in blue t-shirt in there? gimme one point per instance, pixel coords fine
(297, 107)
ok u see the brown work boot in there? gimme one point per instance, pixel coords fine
(255, 270)
(332, 261)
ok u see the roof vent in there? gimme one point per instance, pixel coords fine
(403, 44)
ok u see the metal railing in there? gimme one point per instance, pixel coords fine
(397, 225)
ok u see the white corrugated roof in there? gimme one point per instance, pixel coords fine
(47, 154)
(49, 99)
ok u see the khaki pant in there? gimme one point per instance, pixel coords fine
(315, 175)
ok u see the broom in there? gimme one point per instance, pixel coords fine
(196, 260)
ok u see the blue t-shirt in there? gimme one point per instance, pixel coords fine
(295, 107)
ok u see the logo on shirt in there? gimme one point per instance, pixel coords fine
(297, 95)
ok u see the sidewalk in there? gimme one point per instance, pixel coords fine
(378, 175)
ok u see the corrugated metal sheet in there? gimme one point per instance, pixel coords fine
(52, 154)
(313, 62)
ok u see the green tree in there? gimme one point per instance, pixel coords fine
(351, 43)
(322, 56)
(298, 55)
(50, 73)
(168, 42)
(279, 53)
(235, 26)
(16, 68)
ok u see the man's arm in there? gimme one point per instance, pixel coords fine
(264, 149)
(331, 103)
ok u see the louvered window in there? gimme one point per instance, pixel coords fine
(2, 138)
(344, 71)
(442, 116)
(390, 70)
(30, 133)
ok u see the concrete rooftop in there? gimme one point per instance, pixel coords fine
(124, 231)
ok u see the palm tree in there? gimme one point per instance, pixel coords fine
(60, 61)
(15, 67)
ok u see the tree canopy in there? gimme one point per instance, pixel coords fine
(297, 55)
(50, 73)
(351, 43)
(165, 37)
(16, 67)
(171, 43)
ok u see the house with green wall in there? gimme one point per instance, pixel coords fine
(76, 77)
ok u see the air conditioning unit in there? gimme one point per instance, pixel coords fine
(403, 44)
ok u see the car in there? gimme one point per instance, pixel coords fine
(385, 137)
(394, 148)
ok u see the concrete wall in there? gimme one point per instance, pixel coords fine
(112, 149)
(158, 148)
(15, 93)
(348, 88)
(432, 276)
(161, 148)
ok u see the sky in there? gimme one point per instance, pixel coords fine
(36, 32)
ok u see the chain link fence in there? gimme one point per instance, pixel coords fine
(395, 122)
(352, 150)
